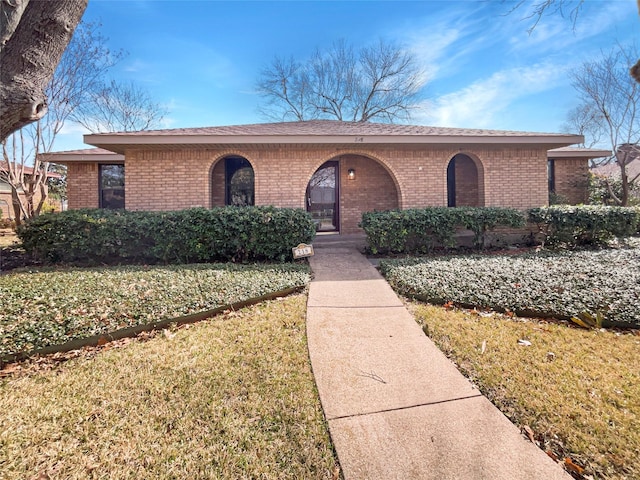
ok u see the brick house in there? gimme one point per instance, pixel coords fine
(568, 172)
(7, 209)
(336, 170)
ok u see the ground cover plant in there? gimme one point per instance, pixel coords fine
(232, 398)
(43, 307)
(596, 288)
(572, 391)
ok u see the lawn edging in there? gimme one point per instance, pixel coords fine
(133, 331)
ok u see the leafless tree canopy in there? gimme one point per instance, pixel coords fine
(33, 36)
(612, 99)
(124, 107)
(380, 82)
(566, 8)
(77, 91)
(585, 120)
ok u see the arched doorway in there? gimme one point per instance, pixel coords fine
(232, 182)
(323, 197)
(463, 182)
(345, 187)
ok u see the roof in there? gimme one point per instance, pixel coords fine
(578, 152)
(29, 170)
(83, 155)
(612, 169)
(323, 132)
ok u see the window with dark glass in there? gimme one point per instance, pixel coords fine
(551, 174)
(111, 186)
(451, 183)
(239, 182)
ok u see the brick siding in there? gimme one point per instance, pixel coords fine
(387, 176)
(572, 179)
(82, 185)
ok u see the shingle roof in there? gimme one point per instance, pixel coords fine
(326, 128)
(82, 155)
(321, 132)
(613, 169)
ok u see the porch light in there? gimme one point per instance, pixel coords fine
(351, 174)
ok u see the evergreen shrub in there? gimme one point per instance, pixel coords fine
(421, 230)
(99, 236)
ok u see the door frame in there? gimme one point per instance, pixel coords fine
(336, 208)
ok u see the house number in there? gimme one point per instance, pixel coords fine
(302, 250)
(359, 139)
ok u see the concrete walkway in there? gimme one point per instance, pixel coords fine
(397, 408)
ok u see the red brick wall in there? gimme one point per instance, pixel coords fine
(217, 184)
(572, 179)
(401, 176)
(82, 185)
(372, 189)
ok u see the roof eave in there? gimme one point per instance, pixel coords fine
(105, 141)
(585, 154)
(85, 157)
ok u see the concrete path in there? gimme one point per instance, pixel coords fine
(397, 408)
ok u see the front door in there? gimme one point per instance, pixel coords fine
(322, 197)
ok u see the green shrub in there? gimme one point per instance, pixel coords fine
(420, 230)
(585, 224)
(194, 235)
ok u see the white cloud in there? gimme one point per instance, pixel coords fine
(442, 41)
(480, 104)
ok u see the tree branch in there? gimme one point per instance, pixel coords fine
(33, 41)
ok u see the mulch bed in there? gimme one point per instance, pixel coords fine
(14, 257)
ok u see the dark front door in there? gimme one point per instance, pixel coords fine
(322, 197)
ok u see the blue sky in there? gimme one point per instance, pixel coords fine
(201, 59)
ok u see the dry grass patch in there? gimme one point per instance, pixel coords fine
(230, 398)
(578, 390)
(8, 237)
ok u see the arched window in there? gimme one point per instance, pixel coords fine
(232, 182)
(239, 182)
(462, 182)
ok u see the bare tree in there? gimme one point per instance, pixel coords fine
(79, 72)
(586, 120)
(378, 82)
(613, 99)
(33, 36)
(541, 8)
(118, 106)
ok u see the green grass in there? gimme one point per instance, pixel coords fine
(229, 398)
(603, 284)
(578, 390)
(43, 307)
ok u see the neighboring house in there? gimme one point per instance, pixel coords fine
(6, 201)
(333, 169)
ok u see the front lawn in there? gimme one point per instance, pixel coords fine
(577, 390)
(46, 307)
(591, 286)
(230, 398)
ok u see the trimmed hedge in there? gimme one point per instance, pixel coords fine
(421, 230)
(100, 236)
(585, 224)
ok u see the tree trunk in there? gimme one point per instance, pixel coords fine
(33, 36)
